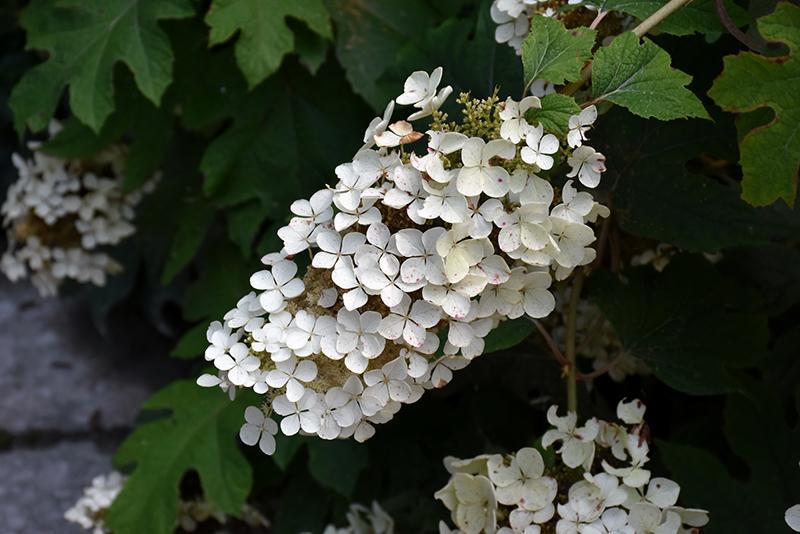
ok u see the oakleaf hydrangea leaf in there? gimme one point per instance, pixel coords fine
(638, 77)
(699, 16)
(85, 39)
(476, 62)
(553, 53)
(222, 279)
(555, 112)
(770, 154)
(650, 183)
(690, 325)
(199, 434)
(337, 464)
(264, 36)
(194, 223)
(753, 424)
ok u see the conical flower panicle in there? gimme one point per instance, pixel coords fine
(416, 255)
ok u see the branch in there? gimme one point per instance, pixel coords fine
(734, 30)
(572, 320)
(585, 377)
(552, 345)
(653, 20)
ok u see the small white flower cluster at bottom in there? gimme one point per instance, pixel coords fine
(598, 485)
(90, 510)
(363, 520)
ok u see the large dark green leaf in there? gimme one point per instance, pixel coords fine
(85, 40)
(195, 220)
(473, 62)
(370, 33)
(337, 464)
(654, 194)
(770, 154)
(508, 334)
(223, 280)
(689, 324)
(286, 139)
(760, 436)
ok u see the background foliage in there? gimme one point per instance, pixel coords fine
(246, 105)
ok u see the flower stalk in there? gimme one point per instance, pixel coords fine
(572, 371)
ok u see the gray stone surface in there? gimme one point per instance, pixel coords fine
(68, 396)
(38, 484)
(57, 372)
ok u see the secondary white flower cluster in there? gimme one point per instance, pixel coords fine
(598, 484)
(513, 18)
(363, 520)
(90, 510)
(415, 258)
(59, 212)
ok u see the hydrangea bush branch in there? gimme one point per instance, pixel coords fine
(415, 258)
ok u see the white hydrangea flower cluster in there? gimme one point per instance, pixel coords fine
(513, 18)
(598, 485)
(415, 258)
(90, 510)
(363, 520)
(60, 212)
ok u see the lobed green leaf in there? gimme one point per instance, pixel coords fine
(555, 113)
(770, 153)
(689, 324)
(638, 77)
(85, 39)
(264, 36)
(199, 434)
(553, 53)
